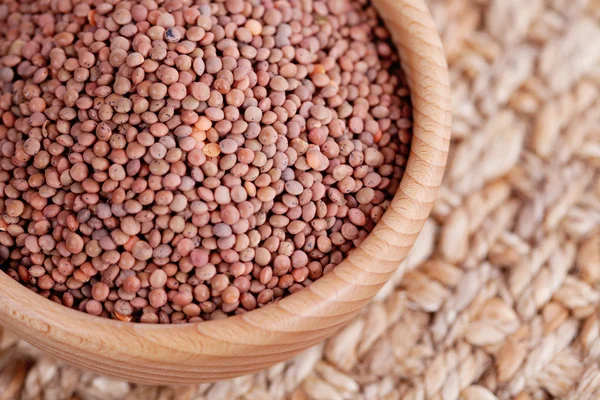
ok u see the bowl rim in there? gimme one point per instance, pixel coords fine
(314, 312)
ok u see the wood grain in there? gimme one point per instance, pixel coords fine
(242, 344)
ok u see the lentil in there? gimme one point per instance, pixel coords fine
(183, 161)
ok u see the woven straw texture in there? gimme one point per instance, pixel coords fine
(500, 298)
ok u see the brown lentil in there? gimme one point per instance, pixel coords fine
(184, 161)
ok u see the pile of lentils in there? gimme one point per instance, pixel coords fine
(187, 160)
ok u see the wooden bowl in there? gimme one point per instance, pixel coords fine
(208, 351)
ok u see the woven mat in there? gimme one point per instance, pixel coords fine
(501, 295)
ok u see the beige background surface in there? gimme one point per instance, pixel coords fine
(501, 296)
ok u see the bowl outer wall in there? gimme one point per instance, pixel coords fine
(214, 350)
